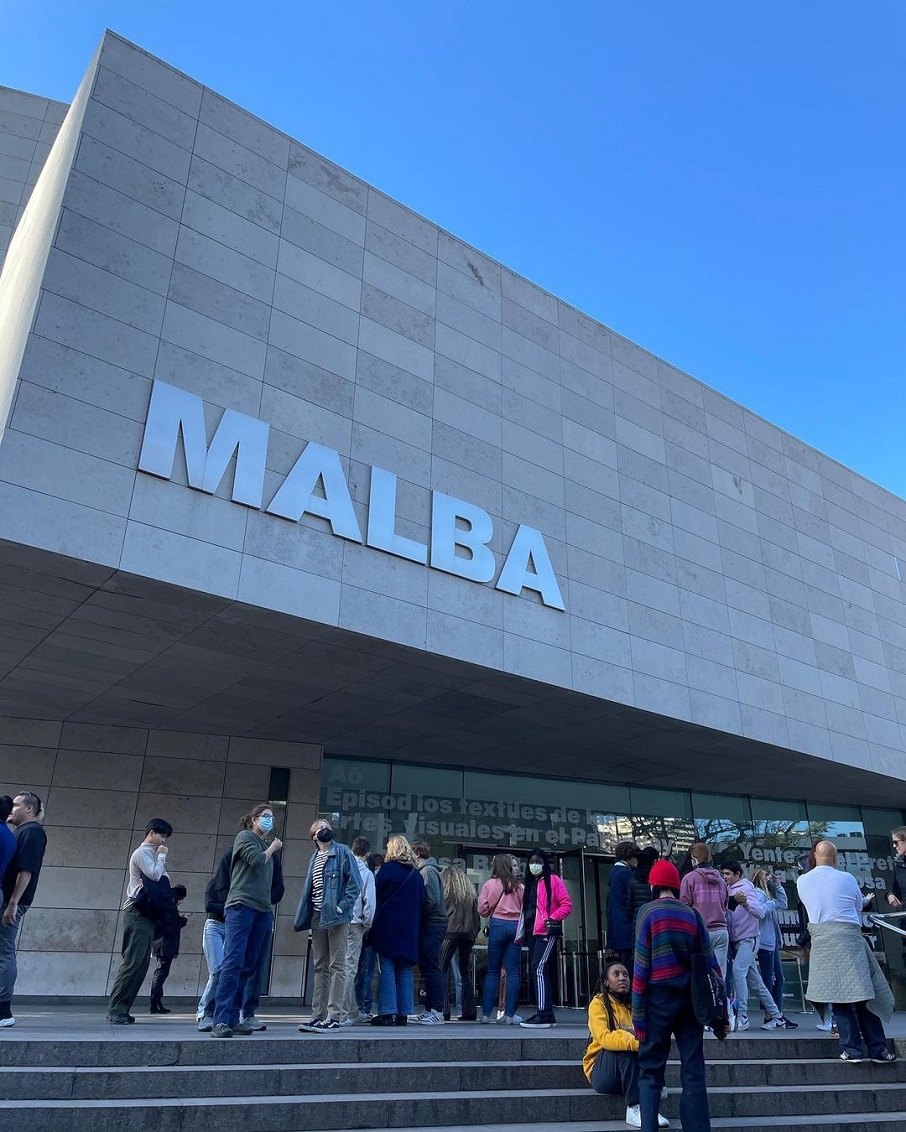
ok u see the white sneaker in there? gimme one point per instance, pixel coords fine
(633, 1116)
(774, 1024)
(662, 1121)
(7, 1022)
(431, 1018)
(743, 1024)
(827, 1025)
(513, 1019)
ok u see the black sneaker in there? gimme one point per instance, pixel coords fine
(118, 1019)
(851, 1058)
(313, 1026)
(221, 1030)
(381, 1020)
(539, 1022)
(788, 1025)
(888, 1057)
(325, 1026)
(244, 1028)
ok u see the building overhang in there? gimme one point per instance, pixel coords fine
(89, 644)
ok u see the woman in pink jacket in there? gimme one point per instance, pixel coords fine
(546, 904)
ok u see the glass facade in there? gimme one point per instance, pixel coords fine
(468, 816)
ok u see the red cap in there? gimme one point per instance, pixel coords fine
(664, 874)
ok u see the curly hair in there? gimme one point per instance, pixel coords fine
(399, 849)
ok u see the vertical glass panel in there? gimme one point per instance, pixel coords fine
(724, 822)
(426, 783)
(355, 795)
(778, 810)
(278, 789)
(662, 818)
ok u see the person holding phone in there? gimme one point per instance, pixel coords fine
(546, 906)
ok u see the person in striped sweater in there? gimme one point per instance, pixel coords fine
(667, 934)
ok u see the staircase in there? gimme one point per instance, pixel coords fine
(460, 1077)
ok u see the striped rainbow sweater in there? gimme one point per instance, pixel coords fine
(666, 935)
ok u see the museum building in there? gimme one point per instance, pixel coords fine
(305, 500)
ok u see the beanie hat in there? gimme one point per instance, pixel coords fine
(664, 875)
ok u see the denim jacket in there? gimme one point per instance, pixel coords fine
(341, 889)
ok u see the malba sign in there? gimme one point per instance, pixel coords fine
(316, 485)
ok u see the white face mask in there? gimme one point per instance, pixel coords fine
(535, 869)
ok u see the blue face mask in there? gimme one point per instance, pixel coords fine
(266, 823)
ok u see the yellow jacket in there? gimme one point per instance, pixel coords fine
(602, 1037)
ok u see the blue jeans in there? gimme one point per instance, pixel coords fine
(212, 945)
(457, 983)
(247, 933)
(430, 939)
(395, 994)
(668, 1010)
(503, 954)
(8, 970)
(855, 1022)
(364, 978)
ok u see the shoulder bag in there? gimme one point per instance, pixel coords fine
(708, 989)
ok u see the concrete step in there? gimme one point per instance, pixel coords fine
(276, 1079)
(307, 1113)
(285, 1044)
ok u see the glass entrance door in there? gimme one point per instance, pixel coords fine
(586, 875)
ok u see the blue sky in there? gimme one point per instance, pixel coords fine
(722, 182)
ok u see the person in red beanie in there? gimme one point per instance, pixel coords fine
(667, 934)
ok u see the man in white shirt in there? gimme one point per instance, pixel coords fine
(842, 968)
(149, 860)
(362, 919)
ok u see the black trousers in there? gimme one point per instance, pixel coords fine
(460, 945)
(616, 1074)
(543, 965)
(159, 978)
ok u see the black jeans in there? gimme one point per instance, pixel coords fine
(430, 938)
(855, 1022)
(460, 945)
(617, 1074)
(668, 1010)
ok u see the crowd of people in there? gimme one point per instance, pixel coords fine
(389, 912)
(364, 912)
(647, 990)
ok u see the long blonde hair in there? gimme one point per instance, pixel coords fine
(399, 849)
(760, 880)
(458, 889)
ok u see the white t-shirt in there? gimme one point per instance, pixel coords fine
(830, 895)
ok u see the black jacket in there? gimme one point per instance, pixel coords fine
(639, 893)
(167, 928)
(218, 887)
(898, 888)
